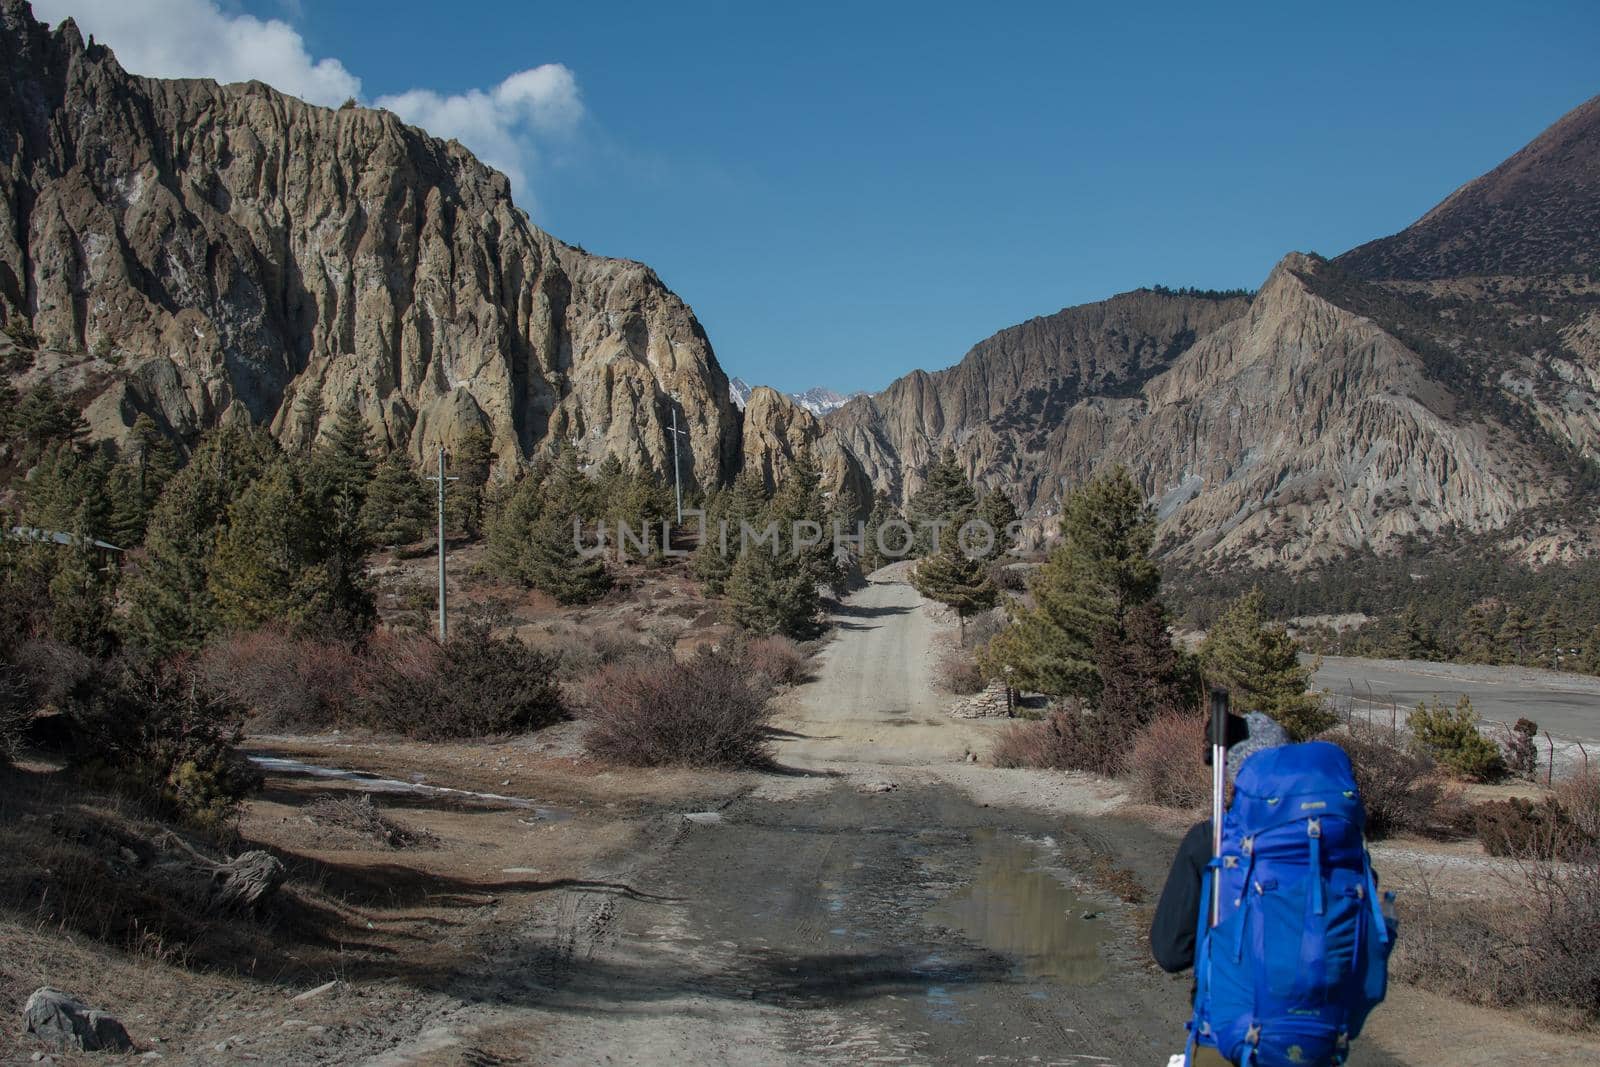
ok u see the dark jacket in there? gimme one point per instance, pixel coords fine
(1172, 930)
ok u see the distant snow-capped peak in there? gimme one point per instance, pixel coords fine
(818, 401)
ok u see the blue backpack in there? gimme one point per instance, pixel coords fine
(1300, 955)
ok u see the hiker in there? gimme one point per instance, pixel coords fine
(1172, 931)
(1299, 951)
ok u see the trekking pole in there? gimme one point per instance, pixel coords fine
(1219, 766)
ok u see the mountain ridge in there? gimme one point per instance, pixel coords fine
(224, 252)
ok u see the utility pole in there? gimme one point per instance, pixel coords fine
(677, 479)
(444, 632)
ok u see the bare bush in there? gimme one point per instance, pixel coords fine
(474, 686)
(58, 674)
(1399, 786)
(958, 673)
(1535, 946)
(707, 712)
(1068, 739)
(982, 627)
(581, 654)
(1579, 794)
(360, 818)
(1166, 765)
(284, 681)
(778, 659)
(1524, 828)
(16, 710)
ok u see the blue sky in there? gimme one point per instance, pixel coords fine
(847, 192)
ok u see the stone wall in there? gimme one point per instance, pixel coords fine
(992, 703)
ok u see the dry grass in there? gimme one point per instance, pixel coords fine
(358, 818)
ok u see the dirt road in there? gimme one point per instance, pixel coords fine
(876, 899)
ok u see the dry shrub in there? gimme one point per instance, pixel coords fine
(1167, 764)
(778, 659)
(286, 682)
(958, 673)
(359, 817)
(152, 732)
(16, 710)
(982, 627)
(707, 712)
(58, 674)
(1523, 828)
(1068, 739)
(474, 686)
(582, 653)
(1579, 795)
(1399, 787)
(1535, 945)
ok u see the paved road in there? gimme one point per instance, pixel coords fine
(1565, 704)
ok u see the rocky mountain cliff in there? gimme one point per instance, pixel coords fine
(1442, 381)
(226, 251)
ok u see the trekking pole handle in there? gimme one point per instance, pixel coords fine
(1219, 717)
(1219, 770)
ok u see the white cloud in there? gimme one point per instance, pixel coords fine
(196, 39)
(502, 125)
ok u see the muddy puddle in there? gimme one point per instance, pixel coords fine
(1015, 908)
(372, 783)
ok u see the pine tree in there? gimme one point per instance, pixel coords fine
(999, 513)
(1589, 656)
(1142, 675)
(1100, 571)
(147, 463)
(470, 461)
(843, 523)
(1260, 664)
(343, 465)
(551, 562)
(1547, 638)
(398, 509)
(945, 495)
(1479, 636)
(66, 492)
(955, 580)
(259, 571)
(1416, 640)
(170, 604)
(42, 419)
(9, 399)
(510, 528)
(80, 599)
(1515, 632)
(872, 554)
(798, 506)
(714, 557)
(773, 592)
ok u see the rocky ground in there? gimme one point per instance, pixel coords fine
(877, 897)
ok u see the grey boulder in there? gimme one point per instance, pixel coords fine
(58, 1020)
